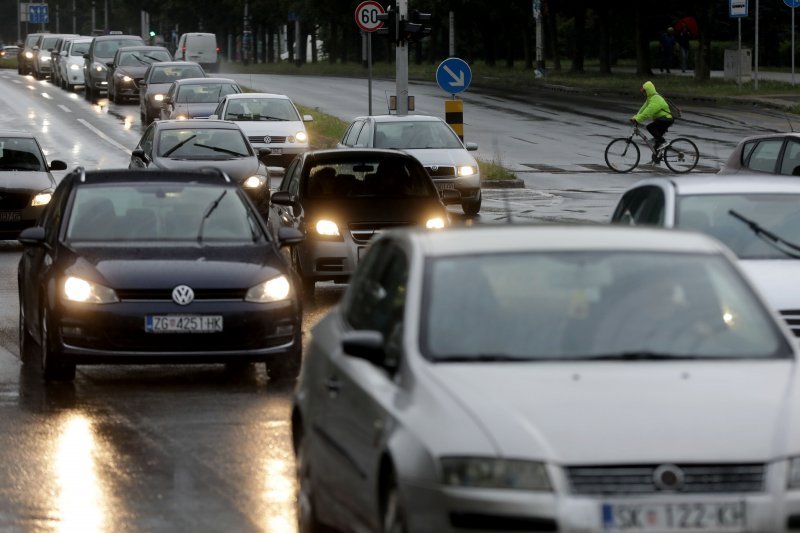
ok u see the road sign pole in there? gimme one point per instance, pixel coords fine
(369, 72)
(739, 62)
(792, 47)
(367, 14)
(401, 55)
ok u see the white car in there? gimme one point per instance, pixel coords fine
(757, 217)
(433, 142)
(71, 63)
(269, 121)
(591, 379)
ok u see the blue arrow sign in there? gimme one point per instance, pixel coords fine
(792, 3)
(38, 13)
(453, 75)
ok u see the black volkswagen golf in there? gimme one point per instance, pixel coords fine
(134, 266)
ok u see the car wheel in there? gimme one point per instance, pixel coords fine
(307, 521)
(52, 368)
(471, 207)
(26, 352)
(286, 367)
(394, 515)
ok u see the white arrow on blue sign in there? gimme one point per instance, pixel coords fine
(453, 75)
(38, 13)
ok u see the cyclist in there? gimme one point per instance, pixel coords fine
(656, 108)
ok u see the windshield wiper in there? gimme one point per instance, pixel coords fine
(207, 213)
(267, 117)
(180, 144)
(218, 149)
(637, 356)
(478, 358)
(771, 238)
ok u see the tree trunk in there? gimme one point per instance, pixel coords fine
(333, 43)
(642, 42)
(527, 45)
(705, 16)
(604, 50)
(580, 38)
(552, 38)
(270, 44)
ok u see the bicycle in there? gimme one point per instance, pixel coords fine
(622, 154)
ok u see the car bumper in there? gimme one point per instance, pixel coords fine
(328, 260)
(282, 159)
(98, 84)
(125, 89)
(12, 222)
(75, 77)
(469, 187)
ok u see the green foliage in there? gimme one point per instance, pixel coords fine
(8, 63)
(325, 131)
(494, 171)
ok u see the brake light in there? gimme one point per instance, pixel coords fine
(217, 50)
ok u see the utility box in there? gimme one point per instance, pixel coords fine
(736, 60)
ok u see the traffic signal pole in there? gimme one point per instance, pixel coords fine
(401, 53)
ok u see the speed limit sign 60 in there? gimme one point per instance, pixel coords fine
(367, 16)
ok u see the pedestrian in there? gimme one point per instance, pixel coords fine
(683, 38)
(667, 49)
(657, 109)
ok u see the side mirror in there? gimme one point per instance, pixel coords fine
(139, 154)
(63, 53)
(32, 236)
(450, 196)
(57, 164)
(264, 151)
(365, 344)
(142, 83)
(290, 236)
(109, 64)
(87, 57)
(213, 117)
(282, 198)
(166, 99)
(308, 118)
(472, 147)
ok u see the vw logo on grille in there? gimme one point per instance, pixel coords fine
(267, 139)
(435, 168)
(182, 295)
(668, 477)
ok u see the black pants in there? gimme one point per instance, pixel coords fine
(659, 127)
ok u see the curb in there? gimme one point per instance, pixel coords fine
(503, 184)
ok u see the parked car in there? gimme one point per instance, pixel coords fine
(157, 80)
(774, 153)
(70, 64)
(547, 378)
(101, 51)
(269, 121)
(341, 199)
(197, 144)
(26, 184)
(195, 97)
(758, 217)
(127, 69)
(41, 62)
(25, 59)
(153, 267)
(200, 48)
(430, 140)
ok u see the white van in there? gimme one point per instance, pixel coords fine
(201, 48)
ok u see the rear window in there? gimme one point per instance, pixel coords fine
(48, 42)
(390, 177)
(20, 154)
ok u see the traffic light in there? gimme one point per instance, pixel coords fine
(152, 33)
(389, 20)
(415, 28)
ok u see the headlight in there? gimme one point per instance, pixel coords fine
(327, 228)
(158, 97)
(74, 67)
(273, 290)
(127, 79)
(253, 182)
(80, 290)
(99, 68)
(435, 223)
(181, 117)
(794, 473)
(44, 58)
(466, 171)
(29, 55)
(495, 473)
(301, 137)
(43, 198)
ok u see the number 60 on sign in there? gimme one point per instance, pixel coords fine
(367, 16)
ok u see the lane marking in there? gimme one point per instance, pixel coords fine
(47, 96)
(31, 87)
(17, 82)
(65, 108)
(104, 136)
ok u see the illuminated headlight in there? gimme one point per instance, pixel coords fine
(181, 117)
(301, 137)
(127, 79)
(327, 228)
(44, 58)
(273, 290)
(466, 171)
(42, 198)
(74, 67)
(253, 182)
(29, 55)
(158, 97)
(435, 223)
(495, 473)
(99, 68)
(80, 290)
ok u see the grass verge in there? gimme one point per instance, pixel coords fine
(493, 171)
(8, 63)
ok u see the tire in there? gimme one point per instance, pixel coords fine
(307, 521)
(622, 155)
(393, 515)
(681, 155)
(286, 367)
(472, 207)
(26, 351)
(52, 368)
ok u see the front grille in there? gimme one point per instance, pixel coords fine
(275, 139)
(792, 318)
(166, 294)
(441, 172)
(639, 479)
(363, 232)
(13, 200)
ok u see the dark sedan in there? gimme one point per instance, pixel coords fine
(193, 144)
(127, 69)
(340, 199)
(195, 98)
(26, 184)
(156, 82)
(151, 267)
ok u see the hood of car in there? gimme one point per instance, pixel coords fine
(773, 279)
(260, 128)
(369, 209)
(133, 72)
(238, 169)
(194, 110)
(23, 181)
(443, 157)
(157, 88)
(165, 266)
(634, 413)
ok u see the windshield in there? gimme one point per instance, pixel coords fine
(48, 42)
(157, 212)
(778, 213)
(584, 305)
(107, 48)
(390, 177)
(170, 74)
(203, 143)
(410, 134)
(143, 58)
(207, 93)
(78, 49)
(246, 109)
(20, 154)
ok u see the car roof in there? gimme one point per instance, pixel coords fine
(116, 37)
(195, 81)
(796, 135)
(496, 239)
(406, 118)
(204, 175)
(196, 123)
(736, 184)
(255, 95)
(349, 153)
(17, 133)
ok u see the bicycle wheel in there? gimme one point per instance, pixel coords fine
(681, 155)
(622, 155)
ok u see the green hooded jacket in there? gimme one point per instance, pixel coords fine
(654, 107)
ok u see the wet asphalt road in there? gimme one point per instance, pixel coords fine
(202, 448)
